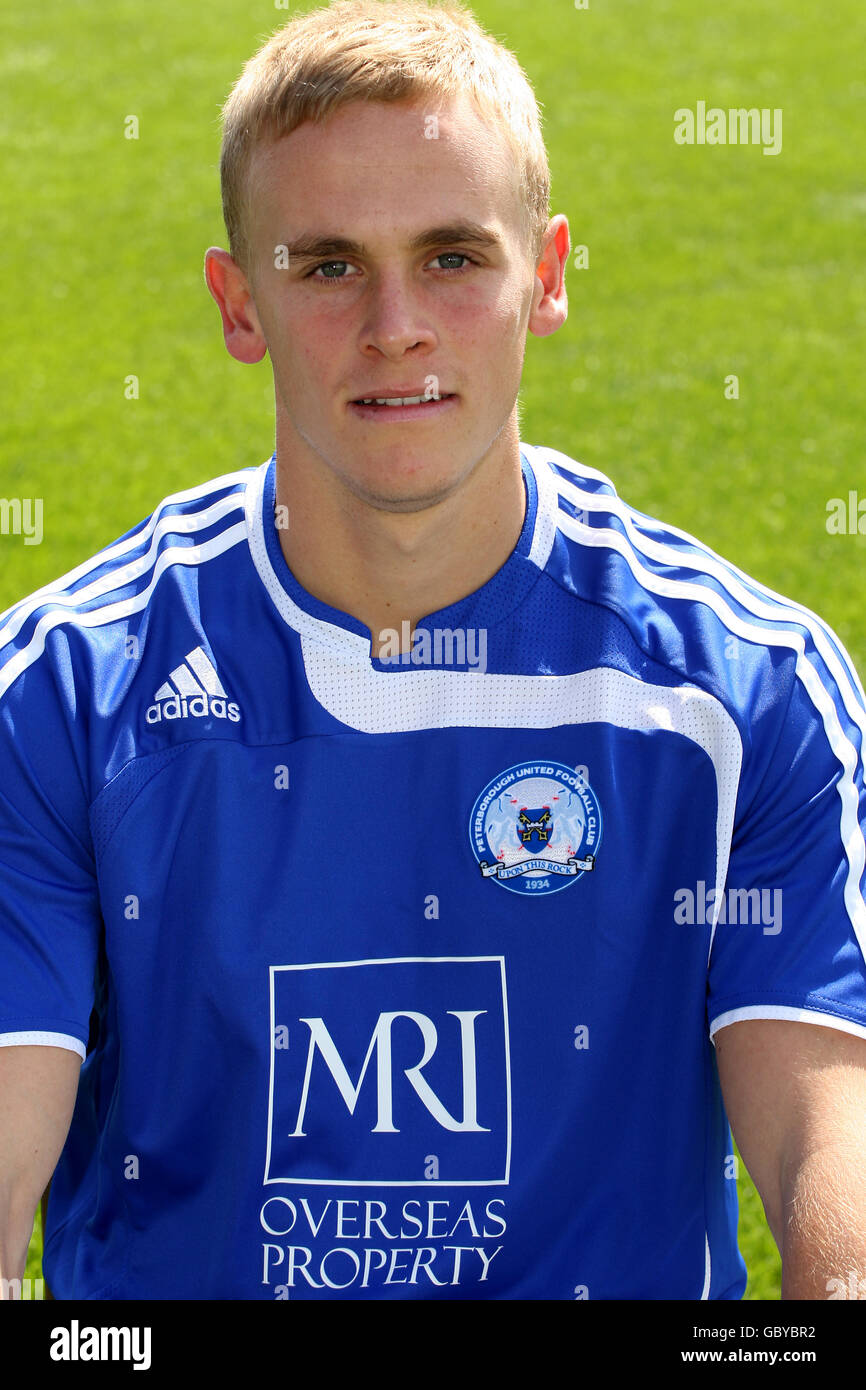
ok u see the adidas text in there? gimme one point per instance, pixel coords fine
(199, 707)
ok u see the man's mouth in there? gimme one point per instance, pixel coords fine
(400, 400)
(402, 407)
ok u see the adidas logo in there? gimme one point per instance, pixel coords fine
(193, 690)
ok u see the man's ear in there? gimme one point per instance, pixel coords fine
(549, 302)
(229, 286)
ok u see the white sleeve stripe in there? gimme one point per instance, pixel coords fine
(755, 588)
(562, 460)
(158, 526)
(841, 746)
(122, 547)
(44, 1040)
(843, 671)
(724, 570)
(173, 555)
(842, 1025)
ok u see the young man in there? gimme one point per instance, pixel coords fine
(423, 852)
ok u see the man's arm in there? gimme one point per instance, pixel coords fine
(795, 1094)
(38, 1086)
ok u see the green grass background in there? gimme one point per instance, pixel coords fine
(703, 261)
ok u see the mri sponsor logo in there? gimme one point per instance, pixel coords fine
(390, 1073)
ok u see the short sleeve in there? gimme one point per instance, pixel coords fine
(791, 935)
(50, 917)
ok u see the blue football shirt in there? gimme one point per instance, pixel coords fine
(397, 978)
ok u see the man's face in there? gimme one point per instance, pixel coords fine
(388, 318)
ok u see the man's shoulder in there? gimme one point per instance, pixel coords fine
(686, 608)
(683, 601)
(89, 610)
(599, 525)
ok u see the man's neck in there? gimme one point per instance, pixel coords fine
(389, 568)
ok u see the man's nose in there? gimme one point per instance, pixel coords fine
(396, 319)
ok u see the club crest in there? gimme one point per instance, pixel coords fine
(536, 827)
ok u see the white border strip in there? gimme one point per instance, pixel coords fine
(546, 511)
(64, 1040)
(350, 646)
(708, 1268)
(814, 1016)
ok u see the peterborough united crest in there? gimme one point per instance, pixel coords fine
(536, 827)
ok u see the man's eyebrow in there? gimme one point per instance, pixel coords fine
(310, 247)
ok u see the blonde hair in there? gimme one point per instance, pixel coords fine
(378, 50)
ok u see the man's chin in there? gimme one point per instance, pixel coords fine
(396, 490)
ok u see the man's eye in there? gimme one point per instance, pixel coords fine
(454, 256)
(326, 266)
